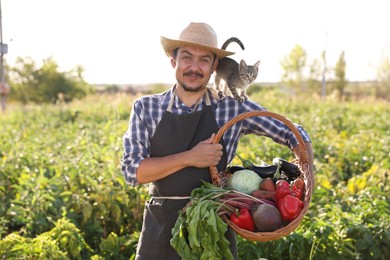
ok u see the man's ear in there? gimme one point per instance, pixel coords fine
(215, 64)
(173, 62)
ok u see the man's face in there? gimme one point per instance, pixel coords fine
(194, 67)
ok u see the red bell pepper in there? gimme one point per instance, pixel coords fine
(282, 190)
(243, 218)
(299, 185)
(290, 206)
(288, 200)
(282, 182)
(297, 192)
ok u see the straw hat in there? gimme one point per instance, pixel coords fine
(196, 34)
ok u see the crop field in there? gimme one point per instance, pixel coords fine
(62, 195)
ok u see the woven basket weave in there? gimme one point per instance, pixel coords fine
(303, 163)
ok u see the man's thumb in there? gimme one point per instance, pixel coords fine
(210, 140)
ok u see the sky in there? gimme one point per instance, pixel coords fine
(118, 41)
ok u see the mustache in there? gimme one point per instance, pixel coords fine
(193, 73)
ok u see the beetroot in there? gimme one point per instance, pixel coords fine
(267, 217)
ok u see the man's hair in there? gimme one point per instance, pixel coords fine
(175, 53)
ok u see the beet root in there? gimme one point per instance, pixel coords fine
(267, 218)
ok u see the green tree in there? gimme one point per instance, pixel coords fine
(45, 84)
(340, 80)
(315, 75)
(293, 66)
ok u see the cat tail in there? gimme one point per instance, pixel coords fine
(230, 40)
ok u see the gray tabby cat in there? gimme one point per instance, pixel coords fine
(234, 76)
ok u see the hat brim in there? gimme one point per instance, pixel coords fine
(170, 45)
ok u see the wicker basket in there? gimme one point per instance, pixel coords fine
(303, 163)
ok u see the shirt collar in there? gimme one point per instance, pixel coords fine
(164, 101)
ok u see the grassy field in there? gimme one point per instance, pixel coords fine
(62, 195)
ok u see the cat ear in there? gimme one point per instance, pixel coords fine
(242, 63)
(257, 65)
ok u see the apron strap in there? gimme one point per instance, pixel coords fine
(169, 109)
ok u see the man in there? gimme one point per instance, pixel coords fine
(169, 140)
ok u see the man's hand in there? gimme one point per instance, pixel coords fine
(205, 154)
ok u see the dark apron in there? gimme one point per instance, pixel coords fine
(174, 134)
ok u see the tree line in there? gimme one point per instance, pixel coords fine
(302, 75)
(47, 84)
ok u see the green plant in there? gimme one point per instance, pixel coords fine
(60, 173)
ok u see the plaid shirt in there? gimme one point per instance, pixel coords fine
(147, 112)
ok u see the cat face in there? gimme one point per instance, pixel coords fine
(248, 73)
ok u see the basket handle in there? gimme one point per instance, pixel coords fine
(303, 156)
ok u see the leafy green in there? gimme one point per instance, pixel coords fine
(199, 233)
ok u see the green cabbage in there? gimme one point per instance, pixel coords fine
(245, 181)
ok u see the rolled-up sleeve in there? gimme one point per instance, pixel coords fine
(304, 134)
(136, 144)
